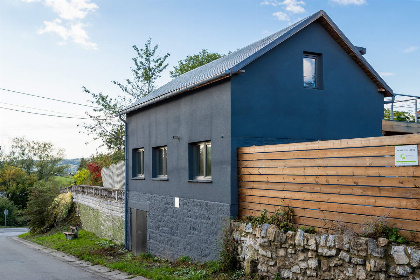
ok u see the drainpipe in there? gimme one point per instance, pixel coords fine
(126, 181)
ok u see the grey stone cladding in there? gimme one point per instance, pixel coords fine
(194, 229)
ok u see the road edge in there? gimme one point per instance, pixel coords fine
(74, 261)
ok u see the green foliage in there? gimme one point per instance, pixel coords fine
(379, 227)
(83, 164)
(16, 183)
(400, 116)
(184, 259)
(39, 208)
(228, 259)
(36, 157)
(13, 212)
(60, 208)
(193, 61)
(105, 125)
(64, 181)
(82, 177)
(311, 230)
(282, 218)
(148, 68)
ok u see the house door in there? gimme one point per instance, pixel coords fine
(138, 231)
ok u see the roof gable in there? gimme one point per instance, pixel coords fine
(230, 64)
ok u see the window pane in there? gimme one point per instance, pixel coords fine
(201, 157)
(208, 160)
(142, 162)
(309, 72)
(162, 161)
(139, 162)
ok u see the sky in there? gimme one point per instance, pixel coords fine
(52, 48)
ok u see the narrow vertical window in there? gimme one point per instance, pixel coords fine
(161, 159)
(138, 163)
(201, 164)
(312, 71)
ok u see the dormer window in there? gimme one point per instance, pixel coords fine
(312, 70)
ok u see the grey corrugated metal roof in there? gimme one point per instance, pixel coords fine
(234, 62)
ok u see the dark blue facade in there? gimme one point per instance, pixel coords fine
(266, 104)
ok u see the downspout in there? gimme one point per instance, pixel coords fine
(126, 182)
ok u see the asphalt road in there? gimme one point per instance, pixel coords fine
(20, 262)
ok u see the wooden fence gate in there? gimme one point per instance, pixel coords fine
(332, 183)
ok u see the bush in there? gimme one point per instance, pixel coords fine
(13, 212)
(39, 208)
(60, 208)
(228, 260)
(282, 218)
(82, 177)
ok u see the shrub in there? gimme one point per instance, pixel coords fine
(60, 208)
(13, 212)
(228, 260)
(282, 218)
(82, 177)
(379, 227)
(39, 208)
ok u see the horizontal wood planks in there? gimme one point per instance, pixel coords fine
(333, 183)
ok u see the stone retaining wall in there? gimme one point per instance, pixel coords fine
(299, 255)
(101, 210)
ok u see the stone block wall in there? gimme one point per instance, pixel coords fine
(194, 229)
(101, 211)
(299, 255)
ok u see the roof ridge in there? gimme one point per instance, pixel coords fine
(235, 61)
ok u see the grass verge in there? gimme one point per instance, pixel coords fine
(96, 250)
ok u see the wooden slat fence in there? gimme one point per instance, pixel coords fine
(333, 183)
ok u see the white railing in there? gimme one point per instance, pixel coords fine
(403, 103)
(95, 191)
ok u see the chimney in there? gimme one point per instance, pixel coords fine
(361, 50)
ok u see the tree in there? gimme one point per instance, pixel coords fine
(39, 204)
(148, 68)
(105, 126)
(193, 61)
(36, 157)
(400, 116)
(15, 183)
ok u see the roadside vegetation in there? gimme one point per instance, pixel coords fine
(89, 247)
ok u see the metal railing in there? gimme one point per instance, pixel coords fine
(402, 107)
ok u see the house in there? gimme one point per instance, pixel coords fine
(306, 82)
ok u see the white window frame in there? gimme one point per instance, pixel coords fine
(318, 70)
(196, 161)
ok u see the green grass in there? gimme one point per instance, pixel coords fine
(64, 181)
(96, 250)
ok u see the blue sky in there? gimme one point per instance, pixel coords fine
(52, 48)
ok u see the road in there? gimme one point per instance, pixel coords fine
(20, 262)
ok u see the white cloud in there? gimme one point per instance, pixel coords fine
(411, 49)
(74, 32)
(385, 74)
(350, 2)
(281, 16)
(292, 6)
(73, 9)
(68, 25)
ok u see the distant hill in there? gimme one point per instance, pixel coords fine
(73, 164)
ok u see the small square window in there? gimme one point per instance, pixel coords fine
(312, 71)
(161, 159)
(201, 161)
(138, 163)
